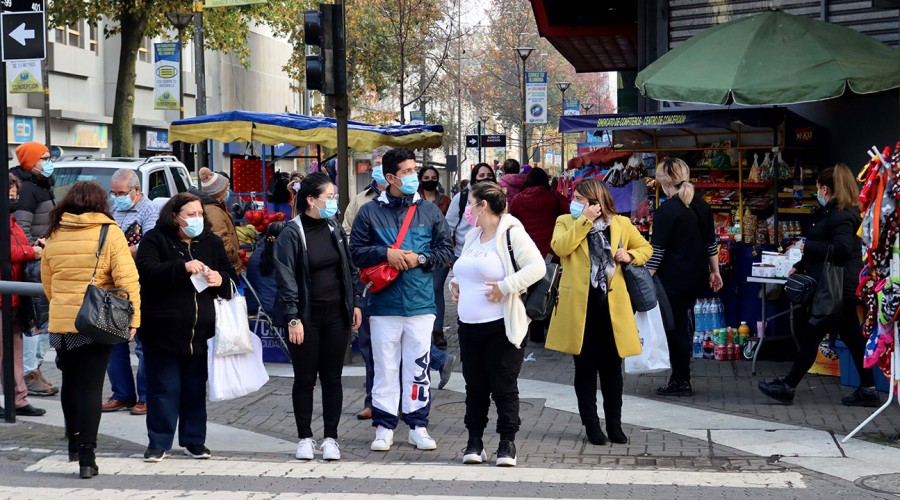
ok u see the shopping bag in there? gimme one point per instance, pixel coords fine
(654, 356)
(829, 294)
(231, 377)
(232, 325)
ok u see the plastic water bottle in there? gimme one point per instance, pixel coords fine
(716, 310)
(698, 345)
(705, 310)
(721, 314)
(698, 317)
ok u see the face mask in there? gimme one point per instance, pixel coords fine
(330, 209)
(194, 226)
(410, 184)
(429, 185)
(471, 219)
(47, 168)
(13, 205)
(123, 202)
(821, 200)
(576, 208)
(378, 175)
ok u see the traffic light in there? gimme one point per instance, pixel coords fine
(327, 70)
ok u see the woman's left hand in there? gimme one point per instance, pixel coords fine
(132, 332)
(213, 278)
(494, 294)
(715, 280)
(623, 257)
(357, 319)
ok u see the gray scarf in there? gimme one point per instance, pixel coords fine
(602, 264)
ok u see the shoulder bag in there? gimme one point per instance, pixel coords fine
(105, 317)
(376, 277)
(541, 297)
(640, 286)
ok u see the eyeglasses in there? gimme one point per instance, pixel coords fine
(123, 193)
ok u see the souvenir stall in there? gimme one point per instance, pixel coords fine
(755, 167)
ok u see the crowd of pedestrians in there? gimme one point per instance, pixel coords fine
(382, 272)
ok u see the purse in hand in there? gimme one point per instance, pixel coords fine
(541, 297)
(376, 277)
(105, 317)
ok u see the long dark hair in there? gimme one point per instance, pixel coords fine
(312, 185)
(82, 198)
(537, 177)
(169, 211)
(476, 168)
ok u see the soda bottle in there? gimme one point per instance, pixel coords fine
(709, 348)
(698, 345)
(743, 332)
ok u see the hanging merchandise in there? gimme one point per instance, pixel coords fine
(749, 227)
(635, 168)
(755, 175)
(616, 176)
(766, 171)
(782, 169)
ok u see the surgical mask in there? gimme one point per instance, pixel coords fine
(429, 185)
(576, 208)
(47, 168)
(194, 226)
(410, 184)
(471, 219)
(821, 200)
(123, 202)
(378, 175)
(13, 205)
(330, 209)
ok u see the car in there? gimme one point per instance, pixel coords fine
(161, 177)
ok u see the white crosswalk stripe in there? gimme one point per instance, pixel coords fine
(176, 466)
(131, 494)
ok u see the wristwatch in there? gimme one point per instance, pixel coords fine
(294, 322)
(422, 260)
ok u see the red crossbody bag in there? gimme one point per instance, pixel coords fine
(381, 275)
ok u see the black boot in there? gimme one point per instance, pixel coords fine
(73, 448)
(87, 462)
(595, 433)
(616, 435)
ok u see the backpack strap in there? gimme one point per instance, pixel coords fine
(410, 212)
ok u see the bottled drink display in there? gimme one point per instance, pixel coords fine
(713, 338)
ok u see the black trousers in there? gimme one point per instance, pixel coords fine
(176, 397)
(491, 366)
(810, 336)
(83, 371)
(598, 356)
(680, 339)
(321, 354)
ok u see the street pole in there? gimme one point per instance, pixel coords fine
(200, 77)
(45, 75)
(479, 140)
(524, 52)
(180, 20)
(424, 108)
(9, 387)
(563, 87)
(341, 112)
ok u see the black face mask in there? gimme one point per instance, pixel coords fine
(13, 205)
(429, 185)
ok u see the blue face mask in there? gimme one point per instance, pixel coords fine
(47, 168)
(378, 175)
(410, 184)
(576, 208)
(194, 226)
(330, 209)
(123, 202)
(821, 200)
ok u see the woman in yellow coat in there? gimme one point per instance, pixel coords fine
(594, 320)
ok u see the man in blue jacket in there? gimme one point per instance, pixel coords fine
(402, 314)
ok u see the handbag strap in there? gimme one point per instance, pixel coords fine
(103, 230)
(512, 255)
(403, 228)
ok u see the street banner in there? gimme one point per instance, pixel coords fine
(166, 86)
(231, 3)
(536, 96)
(572, 106)
(25, 77)
(417, 117)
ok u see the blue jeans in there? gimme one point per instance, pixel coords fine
(438, 357)
(33, 351)
(440, 277)
(121, 377)
(176, 396)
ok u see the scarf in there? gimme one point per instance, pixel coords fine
(602, 264)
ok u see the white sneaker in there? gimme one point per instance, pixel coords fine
(305, 449)
(384, 439)
(330, 450)
(420, 439)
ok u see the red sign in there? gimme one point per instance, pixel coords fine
(805, 134)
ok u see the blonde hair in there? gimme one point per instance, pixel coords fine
(840, 180)
(674, 174)
(596, 191)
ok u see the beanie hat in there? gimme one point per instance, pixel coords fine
(29, 153)
(212, 183)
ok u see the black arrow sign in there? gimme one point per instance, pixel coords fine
(472, 141)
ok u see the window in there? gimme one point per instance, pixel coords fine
(92, 37)
(69, 35)
(182, 180)
(159, 185)
(145, 51)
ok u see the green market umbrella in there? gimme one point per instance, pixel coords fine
(769, 59)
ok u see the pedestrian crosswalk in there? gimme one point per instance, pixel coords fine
(134, 494)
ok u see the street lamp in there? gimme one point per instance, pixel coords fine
(481, 120)
(587, 107)
(524, 52)
(563, 87)
(180, 20)
(423, 100)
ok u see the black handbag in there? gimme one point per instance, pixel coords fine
(640, 286)
(105, 317)
(829, 295)
(799, 289)
(541, 298)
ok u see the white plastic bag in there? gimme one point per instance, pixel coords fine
(235, 376)
(232, 325)
(654, 356)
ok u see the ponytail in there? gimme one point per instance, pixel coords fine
(844, 188)
(673, 174)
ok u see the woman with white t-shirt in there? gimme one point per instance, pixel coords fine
(492, 319)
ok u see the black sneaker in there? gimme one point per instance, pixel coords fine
(474, 452)
(777, 390)
(506, 454)
(437, 338)
(674, 388)
(153, 455)
(30, 411)
(863, 396)
(197, 451)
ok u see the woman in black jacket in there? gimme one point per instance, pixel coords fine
(832, 237)
(179, 322)
(318, 303)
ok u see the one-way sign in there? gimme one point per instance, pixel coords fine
(24, 36)
(472, 141)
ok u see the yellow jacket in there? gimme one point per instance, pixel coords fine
(68, 262)
(571, 245)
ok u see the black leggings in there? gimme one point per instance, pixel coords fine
(83, 371)
(598, 355)
(680, 339)
(810, 336)
(325, 339)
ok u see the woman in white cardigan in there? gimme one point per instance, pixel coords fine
(492, 319)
